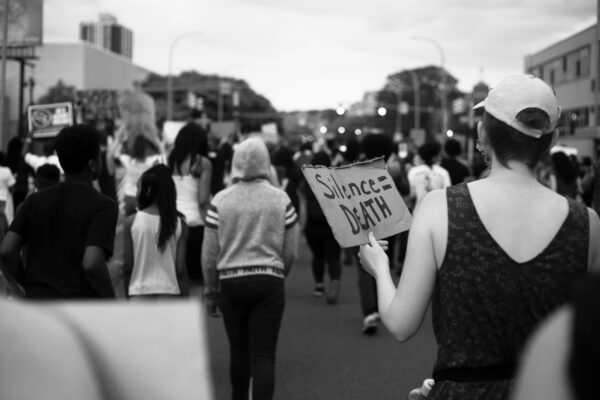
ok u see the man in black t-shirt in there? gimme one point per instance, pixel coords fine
(69, 228)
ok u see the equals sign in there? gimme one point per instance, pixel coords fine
(386, 186)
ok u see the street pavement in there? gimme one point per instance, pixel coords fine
(322, 354)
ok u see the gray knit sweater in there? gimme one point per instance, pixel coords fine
(251, 227)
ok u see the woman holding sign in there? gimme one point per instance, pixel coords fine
(494, 256)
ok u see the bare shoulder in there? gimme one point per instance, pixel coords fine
(433, 204)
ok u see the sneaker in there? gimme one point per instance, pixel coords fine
(319, 290)
(370, 324)
(334, 292)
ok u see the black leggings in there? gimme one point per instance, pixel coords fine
(252, 309)
(326, 251)
(194, 253)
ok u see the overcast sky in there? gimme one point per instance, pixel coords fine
(312, 54)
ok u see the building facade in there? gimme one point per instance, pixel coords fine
(108, 34)
(82, 65)
(572, 68)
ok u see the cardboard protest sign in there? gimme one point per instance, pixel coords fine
(46, 120)
(357, 199)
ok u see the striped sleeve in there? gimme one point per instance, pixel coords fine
(291, 218)
(212, 217)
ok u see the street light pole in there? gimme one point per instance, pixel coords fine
(443, 78)
(417, 101)
(169, 72)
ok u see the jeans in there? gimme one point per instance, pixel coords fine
(252, 308)
(194, 253)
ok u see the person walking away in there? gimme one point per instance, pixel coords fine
(7, 180)
(191, 171)
(154, 240)
(457, 169)
(21, 171)
(250, 245)
(493, 256)
(68, 228)
(427, 176)
(565, 176)
(319, 237)
(144, 154)
(35, 161)
(373, 146)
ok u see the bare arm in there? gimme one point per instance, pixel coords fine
(593, 250)
(180, 265)
(402, 310)
(210, 253)
(10, 260)
(96, 272)
(290, 247)
(204, 184)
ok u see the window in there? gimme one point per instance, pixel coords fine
(571, 66)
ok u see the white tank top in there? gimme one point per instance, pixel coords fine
(187, 199)
(153, 271)
(134, 169)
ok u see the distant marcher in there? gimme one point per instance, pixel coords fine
(249, 247)
(288, 173)
(319, 237)
(49, 157)
(373, 146)
(457, 169)
(154, 240)
(192, 171)
(493, 257)
(220, 153)
(596, 187)
(21, 171)
(144, 154)
(565, 175)
(7, 181)
(429, 175)
(586, 175)
(69, 228)
(45, 176)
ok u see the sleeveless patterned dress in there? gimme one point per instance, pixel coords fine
(485, 304)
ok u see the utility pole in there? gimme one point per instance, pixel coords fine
(3, 116)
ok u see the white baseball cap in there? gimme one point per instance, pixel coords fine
(517, 92)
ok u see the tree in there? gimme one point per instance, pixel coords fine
(254, 109)
(429, 80)
(59, 93)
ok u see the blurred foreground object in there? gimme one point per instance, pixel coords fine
(103, 350)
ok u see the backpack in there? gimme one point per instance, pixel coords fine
(427, 181)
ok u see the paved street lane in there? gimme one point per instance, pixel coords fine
(322, 353)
